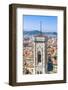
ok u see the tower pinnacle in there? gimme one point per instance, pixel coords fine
(40, 28)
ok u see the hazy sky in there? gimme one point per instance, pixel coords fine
(32, 22)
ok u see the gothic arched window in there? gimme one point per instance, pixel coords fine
(39, 56)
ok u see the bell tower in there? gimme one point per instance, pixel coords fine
(40, 52)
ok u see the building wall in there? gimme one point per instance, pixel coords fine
(40, 46)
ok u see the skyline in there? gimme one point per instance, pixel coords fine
(32, 22)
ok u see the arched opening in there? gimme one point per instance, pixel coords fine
(39, 57)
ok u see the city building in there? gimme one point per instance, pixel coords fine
(40, 54)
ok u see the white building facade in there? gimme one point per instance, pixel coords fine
(40, 54)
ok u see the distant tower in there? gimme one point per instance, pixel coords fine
(40, 52)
